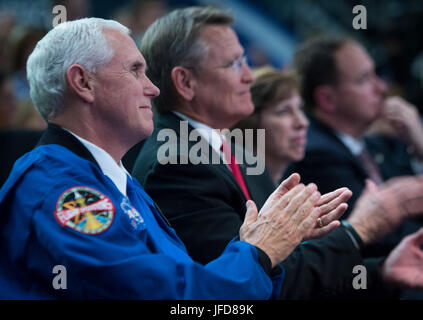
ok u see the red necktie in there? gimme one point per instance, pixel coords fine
(233, 166)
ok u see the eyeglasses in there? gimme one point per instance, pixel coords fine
(236, 65)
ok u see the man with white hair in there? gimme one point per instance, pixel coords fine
(69, 205)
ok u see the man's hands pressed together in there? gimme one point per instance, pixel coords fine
(289, 217)
(380, 209)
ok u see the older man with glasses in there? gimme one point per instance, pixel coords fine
(195, 58)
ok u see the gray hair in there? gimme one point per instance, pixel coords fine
(174, 40)
(75, 42)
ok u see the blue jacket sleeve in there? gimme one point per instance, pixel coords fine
(121, 262)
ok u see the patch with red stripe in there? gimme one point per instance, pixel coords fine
(85, 210)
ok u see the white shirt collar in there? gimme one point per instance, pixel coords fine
(355, 146)
(211, 135)
(116, 172)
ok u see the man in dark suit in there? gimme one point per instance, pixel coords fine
(195, 58)
(344, 97)
(340, 165)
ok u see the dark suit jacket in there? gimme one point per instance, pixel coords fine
(330, 164)
(206, 206)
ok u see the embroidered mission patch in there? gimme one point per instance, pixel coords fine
(85, 210)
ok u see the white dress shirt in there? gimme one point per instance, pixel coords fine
(354, 145)
(212, 136)
(116, 172)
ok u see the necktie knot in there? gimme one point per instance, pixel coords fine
(226, 151)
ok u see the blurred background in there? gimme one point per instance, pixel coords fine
(270, 31)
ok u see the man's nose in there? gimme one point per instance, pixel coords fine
(381, 85)
(150, 89)
(246, 75)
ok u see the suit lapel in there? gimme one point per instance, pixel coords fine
(340, 146)
(172, 121)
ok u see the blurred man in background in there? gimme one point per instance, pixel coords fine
(344, 97)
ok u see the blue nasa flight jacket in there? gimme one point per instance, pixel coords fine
(57, 208)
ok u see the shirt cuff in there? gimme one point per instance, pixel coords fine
(266, 264)
(352, 233)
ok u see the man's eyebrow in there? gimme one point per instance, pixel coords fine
(134, 64)
(365, 73)
(138, 64)
(237, 56)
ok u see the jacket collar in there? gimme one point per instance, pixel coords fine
(56, 135)
(171, 121)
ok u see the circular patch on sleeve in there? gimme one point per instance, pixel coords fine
(85, 210)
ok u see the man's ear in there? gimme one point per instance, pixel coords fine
(325, 98)
(79, 81)
(184, 82)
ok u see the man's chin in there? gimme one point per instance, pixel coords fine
(149, 132)
(246, 111)
(146, 132)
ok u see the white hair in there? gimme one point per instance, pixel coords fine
(75, 42)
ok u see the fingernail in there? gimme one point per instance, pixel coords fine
(312, 186)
